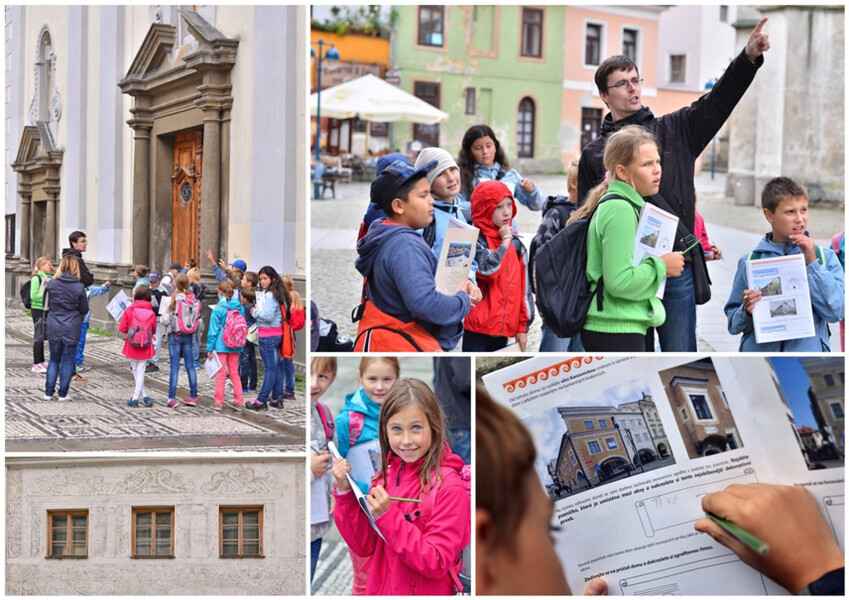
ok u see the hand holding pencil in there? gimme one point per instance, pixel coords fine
(787, 519)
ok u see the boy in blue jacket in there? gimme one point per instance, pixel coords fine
(400, 268)
(785, 206)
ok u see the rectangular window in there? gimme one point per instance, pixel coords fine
(572, 458)
(723, 13)
(611, 444)
(829, 379)
(701, 407)
(67, 535)
(153, 532)
(592, 46)
(240, 530)
(594, 448)
(430, 92)
(653, 432)
(589, 425)
(678, 68)
(431, 25)
(590, 125)
(532, 32)
(629, 43)
(602, 423)
(470, 101)
(837, 410)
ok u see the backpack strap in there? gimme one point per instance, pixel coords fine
(326, 420)
(356, 424)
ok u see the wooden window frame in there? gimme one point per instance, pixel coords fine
(432, 7)
(541, 55)
(521, 152)
(600, 39)
(154, 510)
(240, 510)
(68, 528)
(471, 101)
(636, 33)
(673, 71)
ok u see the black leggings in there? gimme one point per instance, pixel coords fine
(596, 341)
(37, 347)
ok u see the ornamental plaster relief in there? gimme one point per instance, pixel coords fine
(242, 480)
(14, 513)
(69, 484)
(154, 480)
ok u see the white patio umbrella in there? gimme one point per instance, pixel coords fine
(372, 99)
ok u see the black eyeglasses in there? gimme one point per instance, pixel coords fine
(625, 83)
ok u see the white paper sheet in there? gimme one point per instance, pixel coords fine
(784, 311)
(456, 256)
(212, 365)
(361, 499)
(118, 305)
(319, 509)
(656, 231)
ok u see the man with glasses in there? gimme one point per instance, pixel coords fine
(681, 136)
(79, 243)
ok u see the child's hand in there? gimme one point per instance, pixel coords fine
(674, 262)
(378, 501)
(527, 185)
(319, 462)
(807, 246)
(209, 256)
(750, 298)
(717, 253)
(341, 468)
(505, 231)
(522, 340)
(222, 264)
(471, 290)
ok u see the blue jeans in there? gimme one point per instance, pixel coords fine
(551, 343)
(272, 363)
(61, 365)
(247, 366)
(678, 332)
(288, 376)
(181, 345)
(81, 345)
(460, 441)
(315, 550)
(195, 348)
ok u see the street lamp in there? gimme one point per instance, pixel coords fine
(333, 54)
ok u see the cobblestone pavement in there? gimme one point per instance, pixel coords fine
(97, 417)
(336, 285)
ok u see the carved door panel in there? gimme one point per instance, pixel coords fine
(185, 196)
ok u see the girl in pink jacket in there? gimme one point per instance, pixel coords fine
(419, 500)
(139, 323)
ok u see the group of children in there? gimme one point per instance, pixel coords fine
(417, 494)
(254, 310)
(403, 310)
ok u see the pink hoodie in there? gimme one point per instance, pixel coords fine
(417, 556)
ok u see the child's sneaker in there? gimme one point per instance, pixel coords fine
(256, 405)
(173, 402)
(288, 395)
(148, 401)
(64, 398)
(276, 403)
(217, 407)
(133, 403)
(37, 368)
(50, 397)
(190, 401)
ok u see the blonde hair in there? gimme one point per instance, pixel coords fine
(369, 360)
(70, 265)
(572, 169)
(194, 274)
(39, 262)
(289, 284)
(226, 288)
(621, 149)
(324, 365)
(181, 284)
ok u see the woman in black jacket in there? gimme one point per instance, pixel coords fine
(66, 304)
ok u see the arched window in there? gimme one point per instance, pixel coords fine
(525, 128)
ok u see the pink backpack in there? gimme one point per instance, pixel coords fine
(186, 313)
(235, 333)
(140, 332)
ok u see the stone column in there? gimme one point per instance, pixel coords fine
(26, 227)
(142, 226)
(210, 194)
(50, 228)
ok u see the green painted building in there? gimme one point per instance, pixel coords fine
(499, 65)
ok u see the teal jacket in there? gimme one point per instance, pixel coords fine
(216, 324)
(629, 302)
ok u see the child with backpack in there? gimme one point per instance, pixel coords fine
(198, 289)
(247, 357)
(482, 158)
(444, 181)
(34, 292)
(785, 206)
(502, 312)
(628, 306)
(322, 430)
(227, 335)
(357, 424)
(271, 298)
(297, 319)
(424, 539)
(179, 318)
(139, 323)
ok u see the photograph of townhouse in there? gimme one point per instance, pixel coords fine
(701, 409)
(814, 393)
(613, 436)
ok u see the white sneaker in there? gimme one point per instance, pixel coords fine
(46, 397)
(37, 368)
(64, 399)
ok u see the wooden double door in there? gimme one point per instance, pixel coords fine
(186, 180)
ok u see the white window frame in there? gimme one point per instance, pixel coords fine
(602, 43)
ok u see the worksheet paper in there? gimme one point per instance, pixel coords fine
(656, 231)
(784, 311)
(118, 305)
(361, 499)
(456, 256)
(319, 509)
(634, 526)
(364, 459)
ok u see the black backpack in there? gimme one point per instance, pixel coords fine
(26, 289)
(565, 208)
(563, 293)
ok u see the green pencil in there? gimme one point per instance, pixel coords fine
(741, 534)
(404, 499)
(696, 243)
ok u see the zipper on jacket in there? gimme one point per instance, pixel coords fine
(398, 477)
(506, 295)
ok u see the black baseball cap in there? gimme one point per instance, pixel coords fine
(385, 186)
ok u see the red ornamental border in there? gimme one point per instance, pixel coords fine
(552, 371)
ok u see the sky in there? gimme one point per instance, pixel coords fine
(795, 383)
